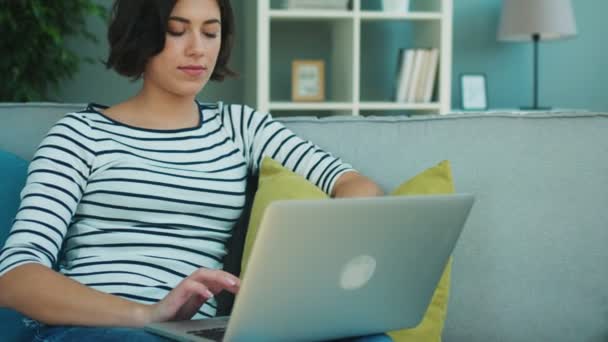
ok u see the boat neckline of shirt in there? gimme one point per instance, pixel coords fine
(95, 108)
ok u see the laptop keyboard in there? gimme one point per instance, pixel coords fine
(215, 334)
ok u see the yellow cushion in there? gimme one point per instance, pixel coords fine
(275, 183)
(436, 180)
(278, 183)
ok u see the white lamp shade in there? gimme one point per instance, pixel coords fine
(550, 19)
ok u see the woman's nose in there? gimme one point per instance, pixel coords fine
(196, 46)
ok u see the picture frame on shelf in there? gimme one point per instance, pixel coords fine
(307, 80)
(473, 91)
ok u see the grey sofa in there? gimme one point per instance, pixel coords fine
(531, 263)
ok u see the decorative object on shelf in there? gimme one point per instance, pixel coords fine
(473, 90)
(400, 6)
(316, 4)
(308, 80)
(535, 20)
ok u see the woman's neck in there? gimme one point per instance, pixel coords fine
(163, 103)
(164, 110)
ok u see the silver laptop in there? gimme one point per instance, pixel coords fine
(323, 270)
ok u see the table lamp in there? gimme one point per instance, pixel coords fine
(536, 20)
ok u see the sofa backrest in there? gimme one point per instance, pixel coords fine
(530, 264)
(23, 125)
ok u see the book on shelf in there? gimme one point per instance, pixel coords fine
(420, 85)
(316, 4)
(431, 75)
(397, 84)
(413, 82)
(416, 75)
(405, 65)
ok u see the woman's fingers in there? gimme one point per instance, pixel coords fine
(191, 287)
(182, 302)
(217, 280)
(190, 308)
(191, 293)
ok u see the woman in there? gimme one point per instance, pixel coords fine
(127, 209)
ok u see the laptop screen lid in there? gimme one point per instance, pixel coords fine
(345, 267)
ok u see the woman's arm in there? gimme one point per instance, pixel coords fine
(52, 298)
(353, 184)
(265, 137)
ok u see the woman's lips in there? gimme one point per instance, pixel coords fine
(193, 70)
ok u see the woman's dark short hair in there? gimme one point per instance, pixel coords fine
(137, 33)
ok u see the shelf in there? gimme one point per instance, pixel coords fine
(379, 15)
(433, 106)
(310, 106)
(310, 14)
(360, 47)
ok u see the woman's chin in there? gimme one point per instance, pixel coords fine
(188, 91)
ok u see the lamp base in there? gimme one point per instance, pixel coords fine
(536, 108)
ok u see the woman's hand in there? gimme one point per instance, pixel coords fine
(353, 184)
(190, 294)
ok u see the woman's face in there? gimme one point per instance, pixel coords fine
(192, 44)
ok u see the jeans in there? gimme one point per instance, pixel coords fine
(69, 334)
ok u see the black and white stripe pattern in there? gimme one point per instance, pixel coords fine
(133, 211)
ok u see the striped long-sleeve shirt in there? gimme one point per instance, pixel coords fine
(132, 211)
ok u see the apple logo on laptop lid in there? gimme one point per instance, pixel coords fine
(357, 272)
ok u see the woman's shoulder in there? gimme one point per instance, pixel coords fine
(72, 132)
(235, 110)
(85, 116)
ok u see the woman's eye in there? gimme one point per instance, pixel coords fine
(210, 35)
(175, 33)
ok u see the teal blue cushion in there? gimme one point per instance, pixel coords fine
(13, 171)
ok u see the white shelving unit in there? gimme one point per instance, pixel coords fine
(431, 28)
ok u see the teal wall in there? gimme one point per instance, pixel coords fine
(573, 73)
